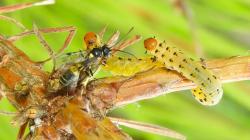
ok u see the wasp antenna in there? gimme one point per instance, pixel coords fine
(125, 52)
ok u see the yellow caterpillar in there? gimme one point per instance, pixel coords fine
(129, 66)
(209, 89)
(126, 66)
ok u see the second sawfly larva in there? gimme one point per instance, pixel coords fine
(209, 89)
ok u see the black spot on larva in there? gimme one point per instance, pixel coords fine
(184, 60)
(119, 58)
(209, 79)
(160, 45)
(191, 59)
(69, 53)
(175, 53)
(210, 93)
(162, 55)
(201, 100)
(156, 51)
(167, 48)
(197, 69)
(194, 90)
(218, 90)
(214, 77)
(180, 66)
(200, 92)
(202, 59)
(153, 59)
(139, 59)
(171, 60)
(203, 67)
(129, 59)
(203, 84)
(205, 99)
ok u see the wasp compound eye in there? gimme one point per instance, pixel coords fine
(97, 52)
(106, 51)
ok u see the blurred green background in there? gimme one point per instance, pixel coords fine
(208, 29)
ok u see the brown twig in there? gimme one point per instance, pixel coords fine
(161, 81)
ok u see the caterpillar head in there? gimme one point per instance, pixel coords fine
(150, 44)
(92, 40)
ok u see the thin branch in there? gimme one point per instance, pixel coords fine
(6, 113)
(149, 128)
(161, 81)
(12, 8)
(229, 70)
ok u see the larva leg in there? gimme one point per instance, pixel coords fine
(203, 62)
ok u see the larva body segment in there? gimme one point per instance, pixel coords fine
(127, 66)
(209, 90)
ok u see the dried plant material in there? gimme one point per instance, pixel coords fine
(7, 9)
(81, 113)
(11, 20)
(161, 81)
(148, 128)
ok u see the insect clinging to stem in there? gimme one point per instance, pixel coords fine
(209, 89)
(125, 66)
(85, 63)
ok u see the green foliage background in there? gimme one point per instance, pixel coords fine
(223, 30)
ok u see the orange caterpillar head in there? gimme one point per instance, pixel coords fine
(91, 40)
(150, 44)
